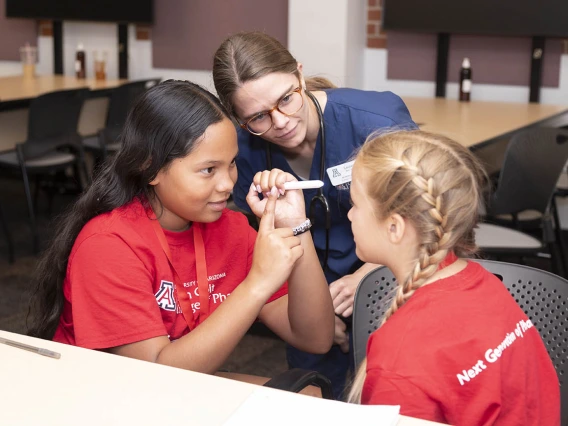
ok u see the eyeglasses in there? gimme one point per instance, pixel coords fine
(261, 123)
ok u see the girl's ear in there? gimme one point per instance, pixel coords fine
(156, 180)
(397, 228)
(143, 168)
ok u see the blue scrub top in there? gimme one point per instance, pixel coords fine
(350, 115)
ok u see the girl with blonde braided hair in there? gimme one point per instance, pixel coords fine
(454, 346)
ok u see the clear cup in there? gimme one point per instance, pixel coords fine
(100, 64)
(28, 56)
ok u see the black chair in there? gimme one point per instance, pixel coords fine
(533, 163)
(561, 122)
(296, 379)
(561, 193)
(52, 144)
(541, 295)
(121, 99)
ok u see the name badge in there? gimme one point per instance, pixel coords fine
(340, 175)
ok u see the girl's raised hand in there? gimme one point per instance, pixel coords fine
(276, 249)
(290, 208)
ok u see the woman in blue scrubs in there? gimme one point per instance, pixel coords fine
(311, 129)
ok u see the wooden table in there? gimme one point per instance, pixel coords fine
(485, 127)
(16, 92)
(17, 89)
(94, 388)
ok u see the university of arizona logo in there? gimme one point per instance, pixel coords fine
(165, 296)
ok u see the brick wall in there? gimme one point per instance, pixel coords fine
(376, 37)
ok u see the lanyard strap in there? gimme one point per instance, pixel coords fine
(201, 267)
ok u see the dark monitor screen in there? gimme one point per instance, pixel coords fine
(124, 11)
(485, 17)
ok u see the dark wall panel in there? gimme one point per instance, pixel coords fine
(15, 33)
(186, 33)
(494, 60)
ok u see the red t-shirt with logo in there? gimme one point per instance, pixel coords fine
(461, 351)
(119, 286)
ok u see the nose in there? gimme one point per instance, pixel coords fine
(349, 214)
(279, 120)
(227, 181)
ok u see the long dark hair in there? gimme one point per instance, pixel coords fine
(163, 124)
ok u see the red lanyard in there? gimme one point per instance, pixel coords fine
(201, 268)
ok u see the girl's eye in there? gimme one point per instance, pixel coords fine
(207, 171)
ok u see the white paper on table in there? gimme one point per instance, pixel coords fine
(267, 406)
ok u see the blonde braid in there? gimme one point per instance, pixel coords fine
(430, 254)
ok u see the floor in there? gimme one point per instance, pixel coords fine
(259, 353)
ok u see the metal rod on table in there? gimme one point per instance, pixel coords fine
(40, 351)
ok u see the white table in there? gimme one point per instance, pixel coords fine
(93, 388)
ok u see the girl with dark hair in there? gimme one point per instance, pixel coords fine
(310, 129)
(150, 264)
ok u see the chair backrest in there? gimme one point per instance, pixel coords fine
(121, 99)
(533, 163)
(55, 114)
(541, 295)
(372, 299)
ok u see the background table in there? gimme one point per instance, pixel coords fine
(484, 127)
(16, 93)
(475, 122)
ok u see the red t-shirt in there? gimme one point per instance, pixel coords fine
(461, 351)
(119, 286)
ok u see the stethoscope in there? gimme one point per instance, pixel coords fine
(319, 197)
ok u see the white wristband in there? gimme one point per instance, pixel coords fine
(302, 227)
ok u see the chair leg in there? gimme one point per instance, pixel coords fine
(50, 197)
(97, 163)
(104, 153)
(36, 192)
(554, 259)
(87, 177)
(11, 256)
(31, 211)
(81, 171)
(21, 160)
(560, 241)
